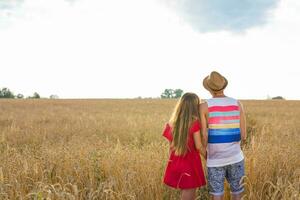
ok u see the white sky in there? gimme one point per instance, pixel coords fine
(124, 49)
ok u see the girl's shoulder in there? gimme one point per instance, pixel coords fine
(167, 133)
(195, 126)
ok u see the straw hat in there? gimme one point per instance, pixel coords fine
(215, 82)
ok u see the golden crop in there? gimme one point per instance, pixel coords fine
(113, 149)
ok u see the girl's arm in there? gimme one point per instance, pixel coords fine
(242, 122)
(197, 140)
(167, 133)
(198, 143)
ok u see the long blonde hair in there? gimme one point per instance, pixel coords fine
(185, 112)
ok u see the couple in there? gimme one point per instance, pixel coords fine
(215, 130)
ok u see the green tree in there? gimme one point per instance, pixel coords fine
(20, 96)
(6, 93)
(53, 96)
(178, 93)
(167, 94)
(171, 93)
(278, 98)
(36, 95)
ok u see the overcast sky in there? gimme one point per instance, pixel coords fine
(125, 49)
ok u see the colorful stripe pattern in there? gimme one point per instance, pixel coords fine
(223, 120)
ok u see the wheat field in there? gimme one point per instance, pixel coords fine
(113, 149)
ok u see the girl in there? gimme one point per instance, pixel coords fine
(184, 168)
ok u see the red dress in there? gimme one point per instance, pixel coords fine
(184, 171)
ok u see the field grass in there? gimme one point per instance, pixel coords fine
(113, 149)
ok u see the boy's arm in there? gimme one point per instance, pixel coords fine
(203, 119)
(242, 122)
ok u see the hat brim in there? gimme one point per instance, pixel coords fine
(206, 86)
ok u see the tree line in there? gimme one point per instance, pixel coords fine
(8, 94)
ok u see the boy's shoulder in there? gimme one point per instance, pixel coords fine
(203, 107)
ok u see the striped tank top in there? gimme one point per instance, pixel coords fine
(223, 132)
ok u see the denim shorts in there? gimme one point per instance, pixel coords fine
(233, 174)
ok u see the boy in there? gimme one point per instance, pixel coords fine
(223, 127)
